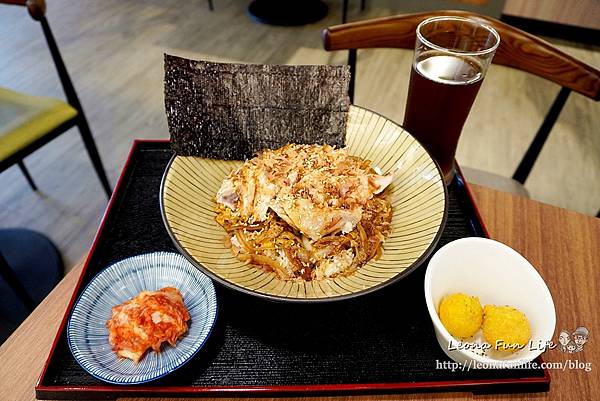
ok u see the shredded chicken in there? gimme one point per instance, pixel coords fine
(306, 212)
(318, 190)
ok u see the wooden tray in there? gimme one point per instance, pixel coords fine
(380, 342)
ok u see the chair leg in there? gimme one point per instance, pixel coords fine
(90, 145)
(532, 153)
(73, 99)
(362, 5)
(27, 175)
(344, 11)
(7, 273)
(211, 6)
(352, 63)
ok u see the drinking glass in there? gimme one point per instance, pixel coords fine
(452, 55)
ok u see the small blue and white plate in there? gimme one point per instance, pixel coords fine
(87, 333)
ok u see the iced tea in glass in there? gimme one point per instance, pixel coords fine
(452, 55)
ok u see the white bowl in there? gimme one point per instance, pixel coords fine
(498, 275)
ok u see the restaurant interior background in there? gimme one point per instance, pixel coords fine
(114, 50)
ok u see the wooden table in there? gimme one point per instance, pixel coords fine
(563, 245)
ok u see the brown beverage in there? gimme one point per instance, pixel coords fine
(440, 95)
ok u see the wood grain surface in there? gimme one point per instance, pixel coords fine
(563, 245)
(15, 2)
(517, 49)
(580, 13)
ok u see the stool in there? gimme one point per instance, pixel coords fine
(30, 267)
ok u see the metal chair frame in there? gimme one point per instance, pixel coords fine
(79, 120)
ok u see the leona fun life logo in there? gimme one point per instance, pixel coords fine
(573, 342)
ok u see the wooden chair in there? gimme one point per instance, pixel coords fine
(27, 122)
(517, 49)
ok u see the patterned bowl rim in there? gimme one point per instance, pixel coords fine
(418, 262)
(198, 345)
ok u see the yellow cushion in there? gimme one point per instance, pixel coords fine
(24, 119)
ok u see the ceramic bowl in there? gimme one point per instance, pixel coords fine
(87, 334)
(418, 197)
(498, 275)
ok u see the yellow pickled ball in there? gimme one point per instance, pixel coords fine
(461, 315)
(505, 328)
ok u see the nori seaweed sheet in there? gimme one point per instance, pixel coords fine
(232, 111)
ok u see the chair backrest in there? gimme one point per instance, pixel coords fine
(37, 10)
(518, 49)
